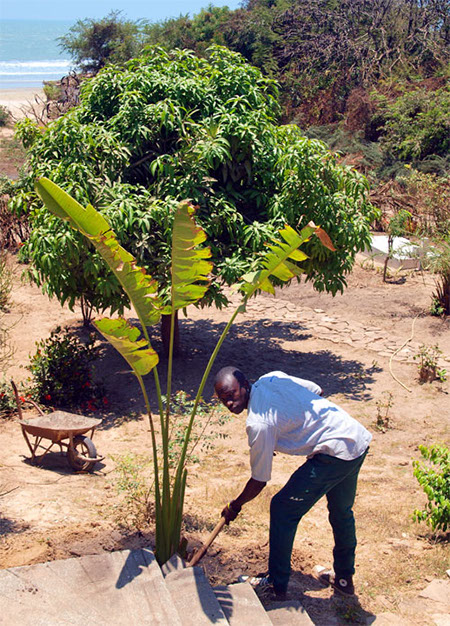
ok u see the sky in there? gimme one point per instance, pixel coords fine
(151, 10)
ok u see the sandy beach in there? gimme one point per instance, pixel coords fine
(20, 100)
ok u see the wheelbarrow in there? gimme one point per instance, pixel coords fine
(67, 430)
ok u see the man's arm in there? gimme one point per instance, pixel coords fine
(252, 489)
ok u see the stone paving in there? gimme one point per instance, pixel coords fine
(334, 329)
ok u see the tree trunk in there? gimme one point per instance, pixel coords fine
(165, 335)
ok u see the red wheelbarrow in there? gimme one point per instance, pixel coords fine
(65, 429)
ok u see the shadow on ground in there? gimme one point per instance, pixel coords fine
(255, 346)
(8, 526)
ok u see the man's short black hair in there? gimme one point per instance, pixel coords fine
(228, 372)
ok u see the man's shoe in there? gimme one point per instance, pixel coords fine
(263, 586)
(343, 585)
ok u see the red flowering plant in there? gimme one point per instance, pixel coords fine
(63, 372)
(7, 400)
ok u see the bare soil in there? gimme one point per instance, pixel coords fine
(359, 347)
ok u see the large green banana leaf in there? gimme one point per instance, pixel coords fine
(276, 262)
(190, 269)
(125, 338)
(139, 286)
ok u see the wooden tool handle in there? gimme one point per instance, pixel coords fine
(201, 553)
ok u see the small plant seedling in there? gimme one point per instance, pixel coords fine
(383, 407)
(436, 484)
(398, 226)
(436, 308)
(429, 370)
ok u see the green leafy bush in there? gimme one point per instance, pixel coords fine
(52, 89)
(170, 126)
(428, 364)
(436, 485)
(438, 262)
(93, 43)
(5, 115)
(8, 404)
(415, 126)
(62, 372)
(431, 195)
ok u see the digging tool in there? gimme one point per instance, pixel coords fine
(201, 553)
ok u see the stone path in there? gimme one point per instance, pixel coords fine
(335, 329)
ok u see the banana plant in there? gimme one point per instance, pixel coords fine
(190, 271)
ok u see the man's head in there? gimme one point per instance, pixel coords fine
(232, 388)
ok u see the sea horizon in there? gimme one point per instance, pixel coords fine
(30, 53)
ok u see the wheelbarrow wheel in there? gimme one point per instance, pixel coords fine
(84, 446)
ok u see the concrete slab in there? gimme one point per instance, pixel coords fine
(438, 591)
(194, 598)
(174, 564)
(43, 593)
(127, 584)
(119, 588)
(241, 605)
(288, 613)
(405, 254)
(22, 603)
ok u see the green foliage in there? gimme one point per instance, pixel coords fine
(5, 115)
(52, 89)
(439, 263)
(428, 364)
(436, 309)
(431, 201)
(8, 405)
(320, 50)
(62, 372)
(94, 43)
(132, 484)
(436, 485)
(415, 126)
(169, 126)
(397, 226)
(189, 267)
(209, 418)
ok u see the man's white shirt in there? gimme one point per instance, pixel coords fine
(287, 414)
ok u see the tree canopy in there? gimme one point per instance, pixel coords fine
(319, 50)
(170, 126)
(94, 43)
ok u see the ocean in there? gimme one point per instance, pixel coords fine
(29, 53)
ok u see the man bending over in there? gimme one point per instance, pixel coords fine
(288, 414)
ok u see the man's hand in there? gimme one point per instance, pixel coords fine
(230, 512)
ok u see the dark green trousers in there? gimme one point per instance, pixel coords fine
(320, 475)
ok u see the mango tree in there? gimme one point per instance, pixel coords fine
(170, 126)
(190, 271)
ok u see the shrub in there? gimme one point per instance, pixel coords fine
(8, 404)
(94, 43)
(415, 126)
(170, 126)
(439, 263)
(5, 115)
(431, 201)
(52, 90)
(436, 485)
(62, 371)
(428, 358)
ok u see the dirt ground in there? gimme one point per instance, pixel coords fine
(359, 347)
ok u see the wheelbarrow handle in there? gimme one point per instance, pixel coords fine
(201, 553)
